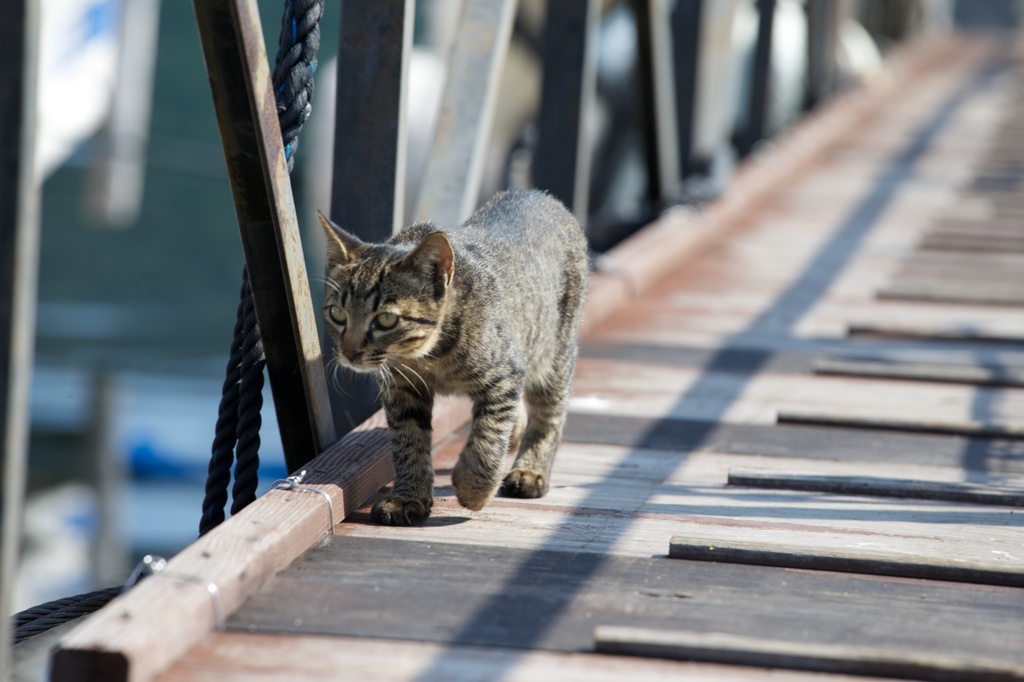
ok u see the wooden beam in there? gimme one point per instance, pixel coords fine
(945, 491)
(846, 560)
(562, 162)
(236, 62)
(141, 633)
(451, 180)
(971, 429)
(368, 177)
(763, 652)
(19, 265)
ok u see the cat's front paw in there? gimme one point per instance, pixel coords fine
(525, 483)
(395, 510)
(474, 489)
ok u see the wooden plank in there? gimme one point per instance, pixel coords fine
(769, 652)
(19, 272)
(236, 63)
(805, 441)
(368, 172)
(243, 657)
(140, 634)
(974, 429)
(450, 190)
(848, 560)
(881, 487)
(465, 594)
(962, 374)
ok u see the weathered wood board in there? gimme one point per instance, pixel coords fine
(472, 595)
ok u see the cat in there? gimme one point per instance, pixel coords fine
(489, 310)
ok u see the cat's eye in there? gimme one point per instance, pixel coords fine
(386, 320)
(338, 314)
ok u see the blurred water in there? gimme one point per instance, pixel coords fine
(150, 307)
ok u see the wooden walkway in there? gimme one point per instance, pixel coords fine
(802, 449)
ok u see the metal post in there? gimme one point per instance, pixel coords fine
(236, 62)
(451, 181)
(760, 81)
(657, 100)
(821, 50)
(109, 554)
(562, 163)
(686, 22)
(369, 149)
(19, 265)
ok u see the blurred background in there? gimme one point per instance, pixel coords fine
(141, 260)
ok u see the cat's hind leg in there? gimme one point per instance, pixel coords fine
(546, 407)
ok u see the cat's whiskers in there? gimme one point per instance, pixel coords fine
(418, 376)
(385, 380)
(329, 283)
(408, 380)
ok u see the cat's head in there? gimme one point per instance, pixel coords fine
(384, 302)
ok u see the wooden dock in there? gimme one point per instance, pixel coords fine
(796, 441)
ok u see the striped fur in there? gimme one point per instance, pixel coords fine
(489, 310)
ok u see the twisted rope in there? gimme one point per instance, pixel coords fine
(222, 454)
(39, 619)
(237, 439)
(249, 419)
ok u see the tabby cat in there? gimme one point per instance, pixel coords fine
(489, 310)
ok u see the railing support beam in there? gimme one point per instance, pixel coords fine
(236, 62)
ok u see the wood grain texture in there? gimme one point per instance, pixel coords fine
(847, 560)
(768, 652)
(140, 634)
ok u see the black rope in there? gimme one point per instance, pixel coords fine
(237, 438)
(222, 455)
(249, 419)
(39, 619)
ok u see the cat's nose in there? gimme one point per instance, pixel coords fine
(352, 355)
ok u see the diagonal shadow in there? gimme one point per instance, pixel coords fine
(784, 313)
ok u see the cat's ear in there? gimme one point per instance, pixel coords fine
(340, 244)
(435, 258)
